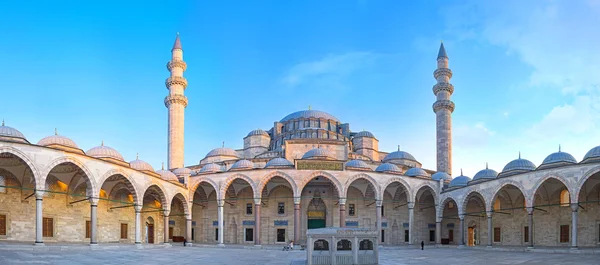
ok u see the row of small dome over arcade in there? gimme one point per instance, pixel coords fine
(103, 152)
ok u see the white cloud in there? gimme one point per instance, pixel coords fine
(470, 136)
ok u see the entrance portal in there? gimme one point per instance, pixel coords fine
(316, 214)
(471, 236)
(150, 230)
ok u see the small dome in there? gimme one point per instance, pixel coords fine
(11, 132)
(222, 151)
(398, 155)
(357, 164)
(519, 164)
(486, 174)
(318, 153)
(416, 172)
(243, 164)
(182, 171)
(592, 154)
(257, 132)
(441, 175)
(103, 151)
(387, 167)
(57, 140)
(309, 114)
(140, 165)
(364, 134)
(211, 168)
(558, 157)
(460, 181)
(278, 162)
(167, 175)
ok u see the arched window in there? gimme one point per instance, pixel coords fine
(565, 198)
(366, 245)
(321, 244)
(497, 205)
(344, 244)
(2, 184)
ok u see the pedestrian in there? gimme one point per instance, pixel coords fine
(184, 242)
(422, 245)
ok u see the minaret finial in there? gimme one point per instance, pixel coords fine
(559, 148)
(442, 52)
(55, 131)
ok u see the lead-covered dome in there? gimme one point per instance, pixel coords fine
(242, 164)
(211, 168)
(309, 114)
(398, 155)
(141, 165)
(257, 132)
(364, 134)
(559, 158)
(441, 175)
(416, 172)
(182, 171)
(485, 174)
(222, 151)
(592, 155)
(460, 181)
(387, 167)
(167, 175)
(103, 151)
(357, 164)
(517, 166)
(279, 163)
(11, 133)
(57, 140)
(319, 153)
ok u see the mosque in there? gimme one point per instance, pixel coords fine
(310, 170)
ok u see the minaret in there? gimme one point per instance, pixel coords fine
(176, 103)
(443, 108)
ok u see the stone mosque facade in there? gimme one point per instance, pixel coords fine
(310, 170)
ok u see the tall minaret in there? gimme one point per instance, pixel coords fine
(443, 108)
(176, 103)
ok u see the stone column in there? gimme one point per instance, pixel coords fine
(342, 212)
(166, 229)
(574, 208)
(188, 230)
(490, 232)
(296, 220)
(438, 225)
(257, 222)
(138, 224)
(530, 227)
(378, 204)
(309, 250)
(332, 250)
(462, 229)
(220, 221)
(94, 221)
(355, 247)
(411, 220)
(39, 238)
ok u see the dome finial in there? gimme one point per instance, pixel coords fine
(559, 148)
(309, 108)
(137, 156)
(223, 144)
(398, 147)
(55, 131)
(519, 154)
(2, 122)
(162, 166)
(102, 144)
(486, 165)
(461, 172)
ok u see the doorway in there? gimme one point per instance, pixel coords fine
(471, 237)
(316, 213)
(150, 230)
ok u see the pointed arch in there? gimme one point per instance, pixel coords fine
(425, 186)
(37, 176)
(366, 177)
(160, 190)
(92, 189)
(265, 180)
(583, 179)
(227, 182)
(130, 182)
(184, 202)
(506, 183)
(336, 183)
(471, 194)
(197, 184)
(403, 183)
(445, 201)
(547, 177)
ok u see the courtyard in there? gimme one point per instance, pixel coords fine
(249, 256)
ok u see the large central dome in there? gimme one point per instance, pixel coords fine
(309, 114)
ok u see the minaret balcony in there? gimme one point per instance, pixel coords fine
(176, 99)
(176, 80)
(442, 72)
(443, 87)
(175, 64)
(443, 105)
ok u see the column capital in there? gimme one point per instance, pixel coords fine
(257, 201)
(39, 195)
(529, 210)
(220, 203)
(461, 217)
(489, 214)
(574, 207)
(188, 217)
(342, 201)
(166, 213)
(138, 208)
(411, 205)
(94, 201)
(297, 200)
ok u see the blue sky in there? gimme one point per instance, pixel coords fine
(526, 73)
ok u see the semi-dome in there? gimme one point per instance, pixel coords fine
(318, 153)
(103, 151)
(182, 171)
(10, 132)
(56, 139)
(398, 155)
(278, 163)
(257, 132)
(309, 114)
(557, 159)
(460, 181)
(167, 175)
(441, 175)
(140, 165)
(593, 154)
(357, 164)
(242, 164)
(416, 172)
(210, 168)
(364, 134)
(222, 151)
(516, 166)
(387, 167)
(485, 174)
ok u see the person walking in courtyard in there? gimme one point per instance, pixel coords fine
(422, 245)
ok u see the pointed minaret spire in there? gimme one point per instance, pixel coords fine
(177, 44)
(442, 52)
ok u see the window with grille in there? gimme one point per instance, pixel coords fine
(280, 208)
(564, 233)
(248, 208)
(352, 209)
(123, 231)
(47, 227)
(497, 234)
(2, 225)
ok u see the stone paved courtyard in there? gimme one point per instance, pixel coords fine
(232, 256)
